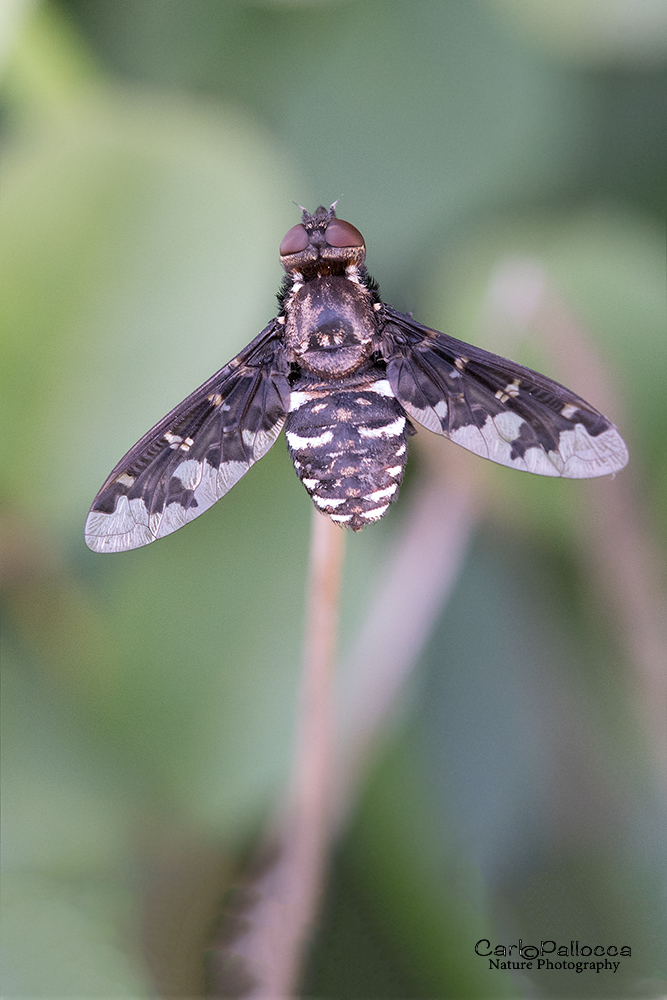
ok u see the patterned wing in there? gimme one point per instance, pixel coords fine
(495, 408)
(195, 454)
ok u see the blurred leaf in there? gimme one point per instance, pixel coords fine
(119, 273)
(598, 32)
(412, 114)
(534, 758)
(68, 910)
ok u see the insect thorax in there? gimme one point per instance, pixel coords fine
(329, 325)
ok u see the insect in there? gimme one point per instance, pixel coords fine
(345, 374)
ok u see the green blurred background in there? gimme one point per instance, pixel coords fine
(151, 154)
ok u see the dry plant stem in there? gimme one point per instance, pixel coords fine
(287, 893)
(309, 816)
(615, 537)
(421, 569)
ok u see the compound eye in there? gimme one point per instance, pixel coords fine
(294, 241)
(342, 234)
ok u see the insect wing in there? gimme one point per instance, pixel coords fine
(195, 454)
(495, 408)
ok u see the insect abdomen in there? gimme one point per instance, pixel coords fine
(349, 448)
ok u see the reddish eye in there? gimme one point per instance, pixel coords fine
(294, 241)
(342, 234)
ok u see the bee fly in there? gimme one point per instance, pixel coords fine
(344, 373)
